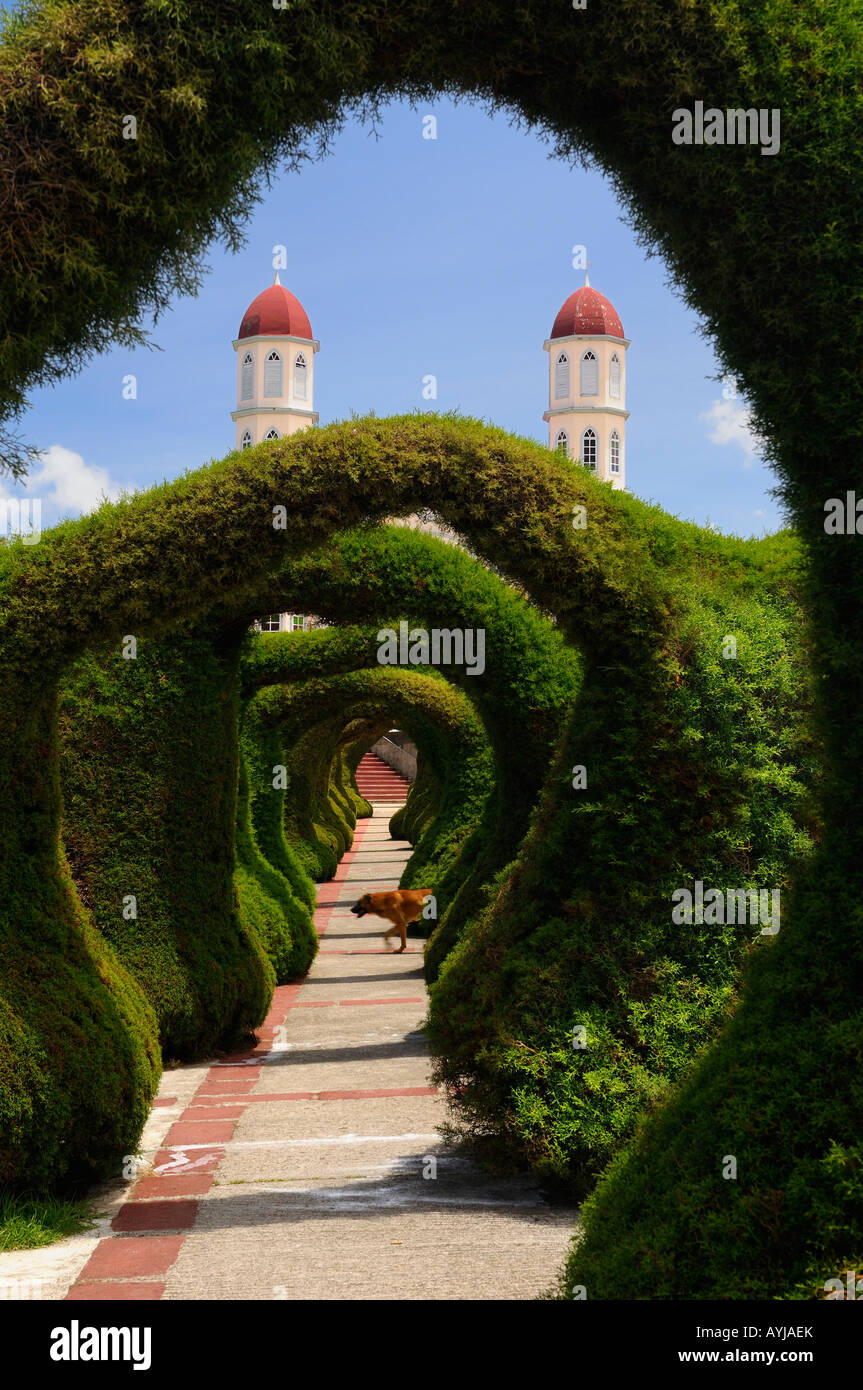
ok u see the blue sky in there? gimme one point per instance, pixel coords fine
(414, 256)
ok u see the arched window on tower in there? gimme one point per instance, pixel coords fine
(588, 449)
(301, 377)
(561, 377)
(589, 374)
(272, 434)
(562, 443)
(614, 452)
(614, 376)
(247, 378)
(273, 374)
(246, 441)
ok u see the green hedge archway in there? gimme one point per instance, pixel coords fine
(524, 695)
(735, 228)
(445, 723)
(626, 582)
(117, 573)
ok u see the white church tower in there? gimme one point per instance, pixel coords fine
(275, 368)
(587, 412)
(275, 390)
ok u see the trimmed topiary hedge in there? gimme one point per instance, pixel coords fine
(316, 826)
(311, 714)
(219, 104)
(267, 751)
(524, 694)
(148, 778)
(666, 1223)
(79, 1053)
(358, 741)
(281, 916)
(582, 934)
(734, 227)
(423, 799)
(646, 599)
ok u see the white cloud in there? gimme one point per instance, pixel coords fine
(61, 479)
(731, 423)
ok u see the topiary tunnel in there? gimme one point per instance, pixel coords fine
(737, 231)
(158, 736)
(448, 731)
(450, 735)
(658, 593)
(530, 679)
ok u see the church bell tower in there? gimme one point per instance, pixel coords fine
(587, 412)
(275, 368)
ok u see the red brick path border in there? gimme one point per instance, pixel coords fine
(131, 1263)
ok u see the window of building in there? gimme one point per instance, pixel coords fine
(562, 443)
(246, 440)
(247, 378)
(561, 376)
(614, 452)
(272, 434)
(614, 376)
(301, 377)
(589, 374)
(273, 374)
(588, 449)
(298, 622)
(272, 623)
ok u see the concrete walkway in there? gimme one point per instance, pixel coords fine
(310, 1168)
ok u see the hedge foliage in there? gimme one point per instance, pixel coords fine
(698, 766)
(524, 694)
(423, 799)
(116, 573)
(219, 102)
(316, 715)
(148, 778)
(665, 1224)
(79, 1052)
(582, 936)
(275, 896)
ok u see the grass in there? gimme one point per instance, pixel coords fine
(28, 1222)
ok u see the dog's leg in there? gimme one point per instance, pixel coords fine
(403, 933)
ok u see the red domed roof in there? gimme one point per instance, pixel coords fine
(587, 311)
(275, 313)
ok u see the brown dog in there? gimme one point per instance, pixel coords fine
(396, 905)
